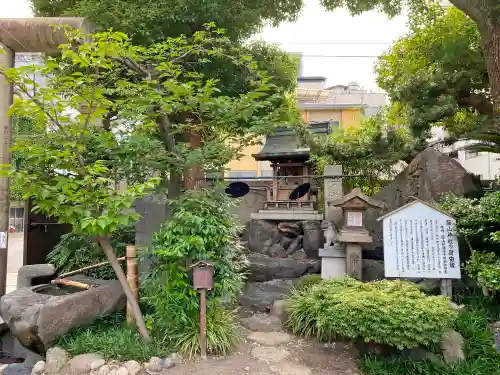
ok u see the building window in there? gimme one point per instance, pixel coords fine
(266, 173)
(16, 218)
(471, 154)
(334, 124)
(242, 174)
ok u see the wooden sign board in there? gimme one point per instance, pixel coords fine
(420, 242)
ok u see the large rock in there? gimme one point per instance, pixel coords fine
(313, 239)
(264, 268)
(295, 245)
(262, 322)
(260, 235)
(373, 270)
(429, 175)
(453, 347)
(260, 296)
(37, 317)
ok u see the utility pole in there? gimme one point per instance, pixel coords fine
(6, 96)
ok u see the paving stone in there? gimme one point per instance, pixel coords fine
(270, 338)
(262, 322)
(269, 353)
(287, 368)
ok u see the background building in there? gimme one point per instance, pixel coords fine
(484, 164)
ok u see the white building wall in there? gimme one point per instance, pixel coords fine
(484, 164)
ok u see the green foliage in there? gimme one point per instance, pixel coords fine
(76, 251)
(222, 333)
(148, 100)
(307, 281)
(438, 72)
(369, 151)
(478, 223)
(151, 21)
(478, 220)
(481, 356)
(114, 340)
(485, 268)
(387, 312)
(21, 126)
(202, 228)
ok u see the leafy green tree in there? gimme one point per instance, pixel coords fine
(151, 21)
(102, 101)
(437, 73)
(370, 151)
(485, 15)
(21, 126)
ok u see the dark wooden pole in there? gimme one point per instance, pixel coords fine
(203, 323)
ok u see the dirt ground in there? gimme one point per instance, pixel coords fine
(305, 357)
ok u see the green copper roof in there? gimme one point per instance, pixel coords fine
(285, 142)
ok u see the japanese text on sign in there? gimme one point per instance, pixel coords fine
(419, 242)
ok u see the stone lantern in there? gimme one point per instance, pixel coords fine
(353, 232)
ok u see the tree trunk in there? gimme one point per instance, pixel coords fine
(486, 15)
(491, 49)
(136, 310)
(193, 175)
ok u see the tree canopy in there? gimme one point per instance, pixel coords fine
(150, 21)
(438, 74)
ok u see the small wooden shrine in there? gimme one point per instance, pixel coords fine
(293, 195)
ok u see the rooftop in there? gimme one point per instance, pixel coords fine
(285, 143)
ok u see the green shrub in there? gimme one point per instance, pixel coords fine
(387, 312)
(76, 251)
(481, 356)
(202, 228)
(307, 281)
(113, 339)
(485, 269)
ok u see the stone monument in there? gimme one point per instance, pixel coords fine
(353, 232)
(333, 257)
(333, 264)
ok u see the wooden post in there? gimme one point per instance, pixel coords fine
(131, 255)
(275, 182)
(134, 306)
(203, 323)
(6, 95)
(446, 287)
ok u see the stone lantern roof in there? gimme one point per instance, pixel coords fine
(356, 199)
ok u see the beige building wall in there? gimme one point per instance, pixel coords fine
(323, 115)
(351, 118)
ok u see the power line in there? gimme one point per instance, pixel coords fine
(342, 56)
(335, 43)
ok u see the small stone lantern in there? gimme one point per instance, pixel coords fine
(353, 231)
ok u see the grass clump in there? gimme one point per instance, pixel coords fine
(222, 333)
(307, 281)
(481, 357)
(387, 312)
(113, 339)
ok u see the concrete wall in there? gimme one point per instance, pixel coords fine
(253, 201)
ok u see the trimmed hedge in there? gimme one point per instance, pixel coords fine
(388, 312)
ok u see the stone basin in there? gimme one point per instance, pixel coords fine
(57, 290)
(38, 315)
